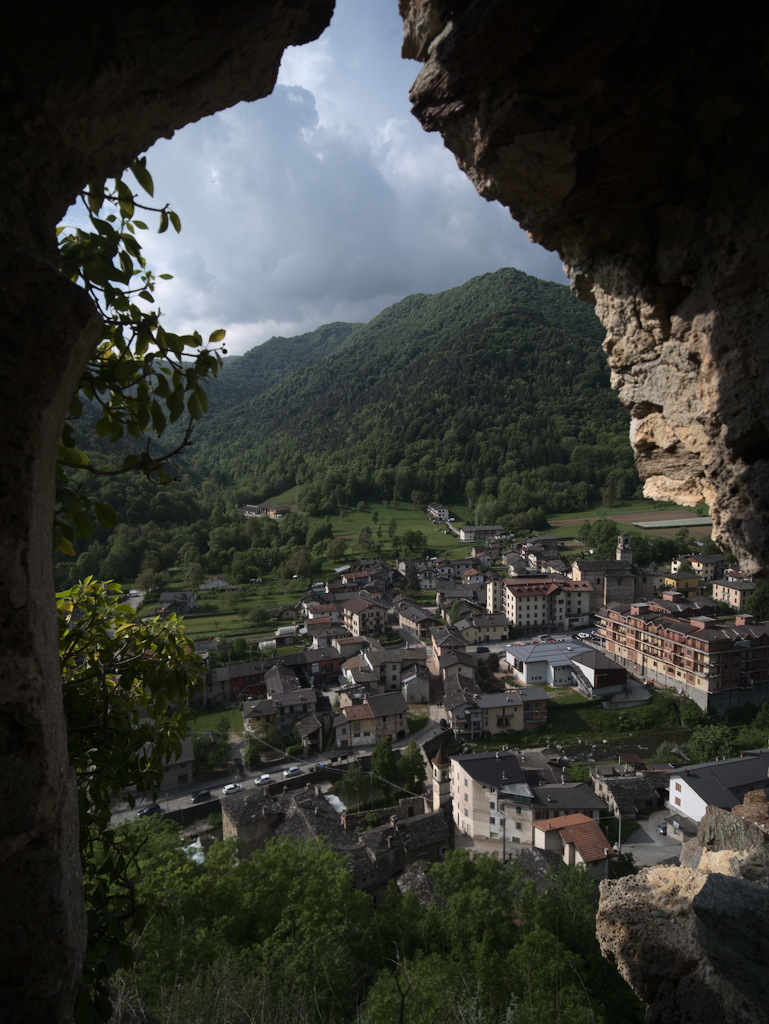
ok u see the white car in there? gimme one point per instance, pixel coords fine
(293, 770)
(233, 787)
(263, 780)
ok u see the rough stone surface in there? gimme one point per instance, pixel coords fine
(693, 941)
(634, 144)
(86, 87)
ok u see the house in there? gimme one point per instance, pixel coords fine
(270, 511)
(717, 783)
(475, 534)
(598, 676)
(578, 839)
(363, 617)
(494, 713)
(491, 797)
(310, 732)
(616, 579)
(413, 617)
(564, 798)
(437, 512)
(178, 601)
(280, 679)
(628, 792)
(733, 592)
(707, 567)
(230, 682)
(481, 627)
(716, 666)
(214, 583)
(545, 664)
(376, 717)
(281, 709)
(540, 602)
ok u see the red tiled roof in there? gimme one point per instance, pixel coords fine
(356, 712)
(581, 830)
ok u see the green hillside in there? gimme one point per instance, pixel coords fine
(496, 392)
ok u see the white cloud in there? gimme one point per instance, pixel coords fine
(325, 201)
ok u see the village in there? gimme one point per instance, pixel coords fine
(484, 662)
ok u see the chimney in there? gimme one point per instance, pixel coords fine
(389, 842)
(394, 820)
(343, 817)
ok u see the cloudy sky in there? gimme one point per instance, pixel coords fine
(325, 201)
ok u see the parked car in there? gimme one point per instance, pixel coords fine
(443, 724)
(293, 770)
(662, 828)
(149, 811)
(263, 780)
(201, 796)
(481, 650)
(232, 787)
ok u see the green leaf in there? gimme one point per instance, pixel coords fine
(163, 222)
(175, 221)
(143, 176)
(105, 515)
(216, 336)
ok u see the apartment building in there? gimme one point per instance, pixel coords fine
(717, 666)
(541, 602)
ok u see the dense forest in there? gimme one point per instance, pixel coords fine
(494, 394)
(284, 935)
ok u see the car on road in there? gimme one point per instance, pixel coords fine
(443, 724)
(201, 796)
(294, 769)
(482, 650)
(662, 828)
(263, 780)
(232, 787)
(149, 811)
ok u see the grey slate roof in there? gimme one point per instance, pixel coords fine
(387, 704)
(714, 781)
(571, 796)
(497, 769)
(631, 793)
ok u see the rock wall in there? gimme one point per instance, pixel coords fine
(693, 941)
(631, 139)
(85, 87)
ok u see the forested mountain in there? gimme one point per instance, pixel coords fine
(496, 392)
(494, 395)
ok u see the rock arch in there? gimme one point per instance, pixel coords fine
(628, 137)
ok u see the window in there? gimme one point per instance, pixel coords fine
(492, 820)
(491, 805)
(518, 826)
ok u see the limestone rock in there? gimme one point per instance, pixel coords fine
(646, 176)
(693, 941)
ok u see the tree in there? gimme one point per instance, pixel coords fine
(383, 764)
(711, 741)
(140, 377)
(758, 602)
(336, 548)
(125, 685)
(411, 770)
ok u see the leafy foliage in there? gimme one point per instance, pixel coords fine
(708, 742)
(284, 936)
(140, 377)
(125, 685)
